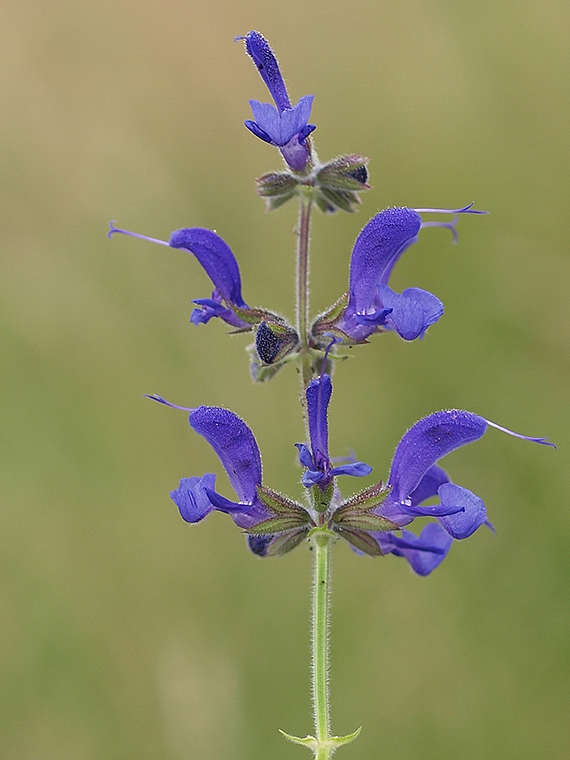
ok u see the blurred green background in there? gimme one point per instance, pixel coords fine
(124, 632)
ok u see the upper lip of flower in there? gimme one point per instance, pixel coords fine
(264, 58)
(219, 263)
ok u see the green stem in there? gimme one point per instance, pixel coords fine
(303, 287)
(320, 541)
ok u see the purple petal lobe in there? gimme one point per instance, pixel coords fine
(427, 441)
(215, 255)
(411, 312)
(424, 552)
(254, 128)
(356, 469)
(472, 515)
(192, 499)
(212, 307)
(433, 510)
(318, 397)
(305, 456)
(235, 445)
(281, 127)
(264, 58)
(226, 505)
(305, 132)
(429, 485)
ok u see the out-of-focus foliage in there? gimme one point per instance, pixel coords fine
(124, 632)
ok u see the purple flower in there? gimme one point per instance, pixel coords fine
(372, 306)
(415, 478)
(274, 524)
(219, 263)
(285, 126)
(316, 459)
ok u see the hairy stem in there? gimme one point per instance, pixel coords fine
(303, 287)
(321, 542)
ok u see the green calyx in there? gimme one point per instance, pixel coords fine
(354, 519)
(277, 188)
(344, 173)
(324, 324)
(289, 526)
(365, 500)
(339, 182)
(289, 515)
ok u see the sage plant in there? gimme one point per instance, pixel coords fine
(374, 520)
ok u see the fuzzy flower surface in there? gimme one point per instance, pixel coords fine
(282, 125)
(371, 305)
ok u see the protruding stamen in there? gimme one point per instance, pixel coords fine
(155, 397)
(464, 210)
(543, 441)
(113, 230)
(448, 226)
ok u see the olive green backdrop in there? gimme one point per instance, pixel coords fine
(124, 632)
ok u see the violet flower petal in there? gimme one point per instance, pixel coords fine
(411, 312)
(429, 485)
(191, 498)
(465, 522)
(217, 259)
(235, 445)
(318, 394)
(377, 248)
(356, 469)
(262, 55)
(424, 552)
(427, 441)
(280, 127)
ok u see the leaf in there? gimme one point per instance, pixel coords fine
(338, 741)
(308, 741)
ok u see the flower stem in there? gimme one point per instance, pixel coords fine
(303, 286)
(320, 542)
